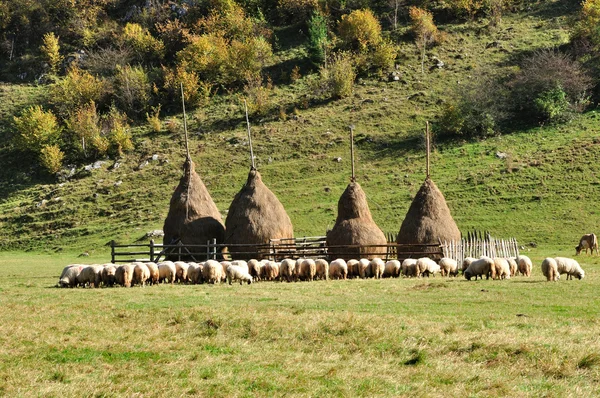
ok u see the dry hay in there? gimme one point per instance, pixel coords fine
(193, 216)
(255, 217)
(428, 219)
(355, 226)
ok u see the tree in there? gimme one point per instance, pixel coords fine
(360, 29)
(424, 29)
(36, 128)
(317, 38)
(51, 51)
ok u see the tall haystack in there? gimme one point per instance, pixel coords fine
(193, 216)
(255, 217)
(355, 226)
(428, 219)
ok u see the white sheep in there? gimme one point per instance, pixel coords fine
(212, 272)
(480, 267)
(392, 269)
(353, 268)
(466, 262)
(338, 269)
(426, 266)
(108, 275)
(68, 276)
(524, 265)
(224, 265)
(287, 270)
(550, 269)
(124, 274)
(166, 271)
(322, 269)
(409, 268)
(570, 267)
(308, 270)
(154, 274)
(448, 267)
(271, 270)
(255, 268)
(141, 273)
(194, 273)
(514, 267)
(181, 270)
(377, 267)
(500, 269)
(238, 273)
(241, 263)
(364, 268)
(90, 275)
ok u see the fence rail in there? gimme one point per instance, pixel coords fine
(477, 244)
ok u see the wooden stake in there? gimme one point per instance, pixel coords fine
(353, 178)
(187, 148)
(249, 135)
(427, 144)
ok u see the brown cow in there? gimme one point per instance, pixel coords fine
(588, 241)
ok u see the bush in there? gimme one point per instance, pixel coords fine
(337, 79)
(51, 51)
(84, 124)
(51, 158)
(541, 79)
(360, 29)
(120, 135)
(383, 55)
(195, 92)
(247, 58)
(132, 89)
(75, 90)
(258, 95)
(207, 56)
(36, 129)
(318, 39)
(292, 11)
(146, 47)
(588, 26)
(154, 119)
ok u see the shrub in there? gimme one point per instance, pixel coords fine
(247, 58)
(132, 89)
(84, 124)
(76, 89)
(154, 119)
(291, 11)
(36, 128)
(424, 29)
(120, 135)
(588, 26)
(360, 29)
(383, 55)
(258, 95)
(317, 38)
(51, 51)
(338, 78)
(542, 77)
(146, 47)
(207, 56)
(195, 92)
(51, 158)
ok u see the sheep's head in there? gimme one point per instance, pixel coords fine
(468, 275)
(578, 249)
(580, 275)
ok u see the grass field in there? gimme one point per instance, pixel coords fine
(396, 337)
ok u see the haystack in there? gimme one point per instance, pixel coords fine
(255, 217)
(428, 219)
(193, 216)
(355, 226)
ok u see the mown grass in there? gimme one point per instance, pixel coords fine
(410, 337)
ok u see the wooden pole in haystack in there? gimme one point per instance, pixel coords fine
(353, 177)
(249, 135)
(427, 144)
(187, 148)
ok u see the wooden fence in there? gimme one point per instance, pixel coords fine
(477, 244)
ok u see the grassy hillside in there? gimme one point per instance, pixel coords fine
(542, 192)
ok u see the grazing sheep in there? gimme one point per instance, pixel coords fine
(298, 267)
(141, 273)
(570, 267)
(271, 271)
(480, 267)
(426, 266)
(524, 265)
(514, 267)
(124, 274)
(466, 262)
(238, 273)
(500, 269)
(181, 270)
(90, 275)
(409, 268)
(166, 271)
(322, 269)
(392, 269)
(108, 275)
(377, 267)
(353, 268)
(241, 263)
(68, 276)
(195, 273)
(212, 272)
(364, 268)
(338, 269)
(224, 264)
(287, 270)
(255, 268)
(154, 274)
(587, 241)
(448, 267)
(550, 269)
(308, 270)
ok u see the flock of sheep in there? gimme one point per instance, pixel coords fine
(211, 271)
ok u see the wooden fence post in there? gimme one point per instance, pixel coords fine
(112, 251)
(151, 250)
